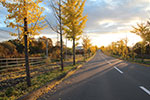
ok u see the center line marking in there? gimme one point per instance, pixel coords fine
(109, 62)
(118, 70)
(145, 90)
(105, 59)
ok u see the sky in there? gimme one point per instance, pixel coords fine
(108, 20)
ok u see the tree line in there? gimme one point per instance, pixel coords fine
(37, 48)
(139, 50)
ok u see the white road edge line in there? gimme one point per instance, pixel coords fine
(145, 90)
(118, 70)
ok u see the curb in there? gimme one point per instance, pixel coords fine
(50, 85)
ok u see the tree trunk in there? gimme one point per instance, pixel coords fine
(47, 48)
(62, 65)
(133, 57)
(142, 58)
(142, 53)
(61, 41)
(74, 52)
(84, 54)
(26, 53)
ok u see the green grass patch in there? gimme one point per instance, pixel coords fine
(12, 93)
(146, 62)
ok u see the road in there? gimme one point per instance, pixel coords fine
(104, 78)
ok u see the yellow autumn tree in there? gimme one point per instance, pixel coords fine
(73, 20)
(93, 49)
(86, 43)
(25, 16)
(125, 49)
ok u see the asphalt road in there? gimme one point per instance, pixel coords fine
(104, 78)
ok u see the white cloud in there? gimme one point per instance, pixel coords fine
(107, 23)
(104, 17)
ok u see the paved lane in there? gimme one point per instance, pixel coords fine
(104, 78)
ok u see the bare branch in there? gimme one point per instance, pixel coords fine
(36, 22)
(54, 29)
(54, 8)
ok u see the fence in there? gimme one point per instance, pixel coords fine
(10, 64)
(12, 70)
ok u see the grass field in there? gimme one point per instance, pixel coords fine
(13, 84)
(146, 62)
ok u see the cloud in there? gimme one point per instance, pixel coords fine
(123, 12)
(104, 16)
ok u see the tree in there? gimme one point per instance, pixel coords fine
(143, 31)
(86, 44)
(8, 49)
(132, 53)
(93, 49)
(19, 46)
(46, 44)
(118, 48)
(56, 5)
(113, 47)
(148, 33)
(125, 49)
(25, 15)
(3, 51)
(73, 20)
(56, 53)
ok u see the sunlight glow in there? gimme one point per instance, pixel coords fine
(101, 39)
(106, 39)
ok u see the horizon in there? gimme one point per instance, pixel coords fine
(122, 16)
